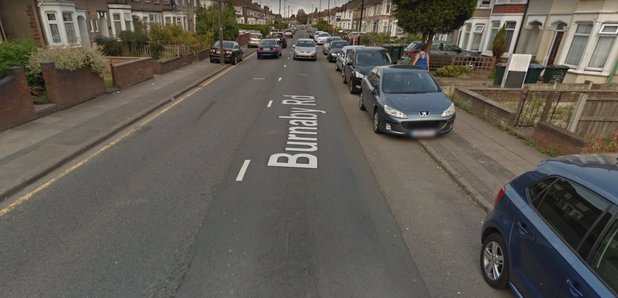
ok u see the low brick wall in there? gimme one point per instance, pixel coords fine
(555, 138)
(131, 72)
(168, 65)
(243, 39)
(67, 88)
(203, 54)
(16, 105)
(486, 108)
(189, 58)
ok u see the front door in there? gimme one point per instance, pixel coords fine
(554, 48)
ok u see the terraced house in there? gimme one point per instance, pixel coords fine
(578, 33)
(80, 22)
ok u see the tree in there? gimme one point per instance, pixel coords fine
(430, 17)
(498, 46)
(207, 21)
(301, 16)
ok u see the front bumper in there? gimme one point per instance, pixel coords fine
(253, 43)
(305, 55)
(416, 128)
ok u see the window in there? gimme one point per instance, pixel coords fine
(495, 27)
(117, 23)
(535, 191)
(69, 26)
(388, 8)
(580, 40)
(605, 261)
(127, 22)
(484, 3)
(53, 27)
(605, 43)
(477, 35)
(466, 35)
(510, 31)
(571, 209)
(168, 20)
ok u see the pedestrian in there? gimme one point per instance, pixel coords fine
(422, 58)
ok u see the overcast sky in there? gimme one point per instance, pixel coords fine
(295, 5)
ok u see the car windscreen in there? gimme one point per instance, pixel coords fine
(372, 58)
(268, 42)
(278, 34)
(338, 44)
(323, 34)
(305, 43)
(226, 44)
(408, 82)
(256, 35)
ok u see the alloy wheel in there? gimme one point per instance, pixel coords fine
(493, 260)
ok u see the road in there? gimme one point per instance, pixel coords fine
(266, 181)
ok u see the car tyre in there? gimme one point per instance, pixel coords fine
(494, 261)
(361, 104)
(259, 57)
(351, 85)
(345, 79)
(235, 61)
(376, 122)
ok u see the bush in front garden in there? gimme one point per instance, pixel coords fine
(14, 53)
(67, 59)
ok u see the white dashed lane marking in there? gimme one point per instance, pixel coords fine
(270, 103)
(243, 170)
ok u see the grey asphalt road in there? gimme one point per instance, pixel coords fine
(189, 206)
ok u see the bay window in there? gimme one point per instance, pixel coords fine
(578, 45)
(605, 43)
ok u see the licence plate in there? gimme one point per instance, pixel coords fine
(423, 133)
(267, 50)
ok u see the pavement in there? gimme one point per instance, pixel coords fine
(478, 156)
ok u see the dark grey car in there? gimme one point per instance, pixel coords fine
(359, 62)
(406, 100)
(335, 49)
(439, 48)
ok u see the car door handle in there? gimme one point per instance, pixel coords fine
(573, 289)
(523, 229)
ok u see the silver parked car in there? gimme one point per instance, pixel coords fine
(327, 42)
(406, 100)
(254, 40)
(305, 48)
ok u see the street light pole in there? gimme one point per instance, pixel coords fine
(221, 53)
(360, 22)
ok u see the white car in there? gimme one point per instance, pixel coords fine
(315, 35)
(321, 37)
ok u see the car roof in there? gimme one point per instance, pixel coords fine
(305, 39)
(401, 68)
(597, 172)
(370, 49)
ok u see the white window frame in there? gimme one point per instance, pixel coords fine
(480, 4)
(72, 22)
(602, 34)
(48, 27)
(477, 31)
(575, 34)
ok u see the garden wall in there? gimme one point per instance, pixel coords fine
(484, 107)
(131, 72)
(168, 65)
(203, 54)
(16, 105)
(67, 88)
(551, 137)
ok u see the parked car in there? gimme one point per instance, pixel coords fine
(312, 32)
(406, 100)
(254, 39)
(320, 37)
(335, 50)
(269, 48)
(289, 33)
(360, 61)
(342, 58)
(439, 48)
(553, 231)
(327, 42)
(305, 48)
(280, 37)
(232, 52)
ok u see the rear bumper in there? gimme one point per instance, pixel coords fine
(268, 54)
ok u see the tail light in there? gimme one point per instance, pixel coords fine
(228, 52)
(499, 196)
(274, 49)
(213, 50)
(261, 49)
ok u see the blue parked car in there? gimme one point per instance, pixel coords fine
(268, 48)
(553, 231)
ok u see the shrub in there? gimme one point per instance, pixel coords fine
(498, 46)
(15, 53)
(109, 46)
(451, 71)
(67, 59)
(133, 41)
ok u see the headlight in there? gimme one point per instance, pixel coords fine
(449, 112)
(393, 112)
(359, 75)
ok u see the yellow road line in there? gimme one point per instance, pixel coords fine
(149, 119)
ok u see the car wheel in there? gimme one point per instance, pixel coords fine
(293, 57)
(361, 104)
(235, 60)
(495, 261)
(259, 57)
(212, 61)
(351, 85)
(337, 67)
(345, 79)
(376, 122)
